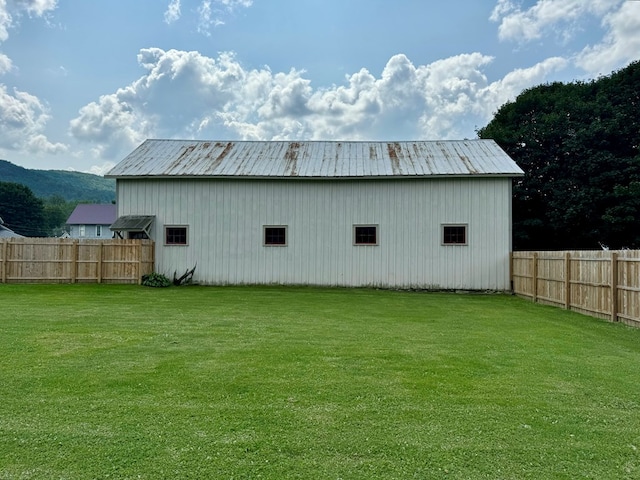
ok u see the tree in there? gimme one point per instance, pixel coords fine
(56, 212)
(21, 210)
(579, 146)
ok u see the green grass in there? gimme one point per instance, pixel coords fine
(101, 381)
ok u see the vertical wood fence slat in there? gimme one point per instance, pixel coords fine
(5, 263)
(534, 274)
(99, 264)
(614, 287)
(47, 260)
(567, 280)
(74, 261)
(139, 265)
(605, 284)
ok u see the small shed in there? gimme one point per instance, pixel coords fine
(420, 214)
(90, 220)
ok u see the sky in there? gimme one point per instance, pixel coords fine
(84, 82)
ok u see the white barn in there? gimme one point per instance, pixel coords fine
(427, 215)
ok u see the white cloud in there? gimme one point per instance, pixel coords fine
(232, 4)
(620, 45)
(506, 89)
(620, 22)
(37, 8)
(111, 124)
(188, 95)
(179, 92)
(38, 143)
(23, 116)
(205, 20)
(545, 16)
(172, 14)
(210, 13)
(5, 64)
(5, 21)
(101, 169)
(22, 120)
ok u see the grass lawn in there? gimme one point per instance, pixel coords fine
(104, 381)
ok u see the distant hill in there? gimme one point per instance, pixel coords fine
(72, 186)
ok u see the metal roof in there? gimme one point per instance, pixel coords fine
(132, 223)
(6, 232)
(92, 214)
(315, 159)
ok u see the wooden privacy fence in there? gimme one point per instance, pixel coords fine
(601, 283)
(57, 260)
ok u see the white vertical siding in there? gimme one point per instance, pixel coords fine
(226, 218)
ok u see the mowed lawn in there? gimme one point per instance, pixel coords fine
(128, 382)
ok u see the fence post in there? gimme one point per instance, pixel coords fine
(99, 265)
(511, 271)
(4, 265)
(614, 287)
(567, 280)
(74, 261)
(534, 273)
(139, 250)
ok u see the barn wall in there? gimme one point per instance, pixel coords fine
(226, 218)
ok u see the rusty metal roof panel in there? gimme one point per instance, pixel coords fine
(315, 159)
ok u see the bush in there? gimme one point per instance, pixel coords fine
(155, 280)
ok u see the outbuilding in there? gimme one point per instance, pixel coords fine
(420, 214)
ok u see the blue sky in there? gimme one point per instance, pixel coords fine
(83, 82)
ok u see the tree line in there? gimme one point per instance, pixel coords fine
(28, 215)
(579, 146)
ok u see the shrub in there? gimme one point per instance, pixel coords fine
(155, 280)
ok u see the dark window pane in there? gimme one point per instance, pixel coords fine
(176, 236)
(275, 236)
(366, 235)
(455, 235)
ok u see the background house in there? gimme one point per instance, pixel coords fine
(91, 221)
(387, 214)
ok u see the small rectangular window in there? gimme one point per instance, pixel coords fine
(454, 234)
(275, 235)
(175, 235)
(81, 229)
(98, 230)
(365, 235)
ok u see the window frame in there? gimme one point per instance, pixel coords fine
(176, 243)
(265, 243)
(375, 226)
(98, 230)
(444, 237)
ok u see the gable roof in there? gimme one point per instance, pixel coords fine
(313, 159)
(6, 232)
(92, 214)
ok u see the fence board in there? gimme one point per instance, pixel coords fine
(57, 260)
(600, 283)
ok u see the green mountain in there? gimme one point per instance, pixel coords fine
(72, 186)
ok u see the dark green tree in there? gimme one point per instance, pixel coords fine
(579, 145)
(21, 210)
(56, 213)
